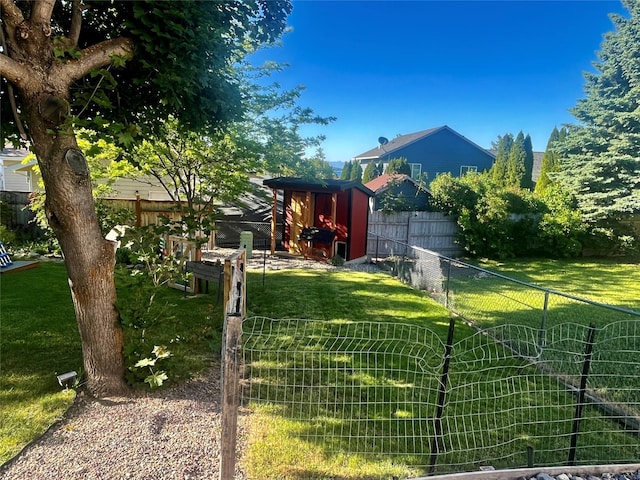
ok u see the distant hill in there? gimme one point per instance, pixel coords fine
(337, 167)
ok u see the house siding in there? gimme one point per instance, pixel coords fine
(441, 151)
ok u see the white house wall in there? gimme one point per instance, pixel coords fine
(147, 187)
(13, 176)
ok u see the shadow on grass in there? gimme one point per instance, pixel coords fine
(369, 389)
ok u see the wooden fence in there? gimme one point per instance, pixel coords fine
(431, 230)
(17, 214)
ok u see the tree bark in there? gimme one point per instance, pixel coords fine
(43, 84)
(89, 258)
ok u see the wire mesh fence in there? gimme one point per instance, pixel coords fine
(228, 232)
(533, 377)
(402, 392)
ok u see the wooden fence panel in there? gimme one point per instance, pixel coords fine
(18, 214)
(431, 230)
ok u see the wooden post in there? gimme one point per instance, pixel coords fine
(235, 305)
(308, 219)
(230, 394)
(274, 213)
(334, 222)
(138, 211)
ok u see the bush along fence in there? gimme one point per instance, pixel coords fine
(525, 376)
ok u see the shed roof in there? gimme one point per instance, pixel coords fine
(382, 182)
(316, 185)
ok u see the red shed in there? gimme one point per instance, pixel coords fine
(322, 218)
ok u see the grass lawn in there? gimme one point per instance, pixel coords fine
(612, 281)
(355, 396)
(39, 338)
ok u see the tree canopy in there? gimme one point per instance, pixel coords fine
(179, 58)
(398, 165)
(550, 160)
(513, 166)
(600, 154)
(503, 147)
(119, 68)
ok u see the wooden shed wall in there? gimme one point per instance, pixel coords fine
(358, 225)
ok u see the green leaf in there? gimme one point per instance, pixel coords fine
(156, 379)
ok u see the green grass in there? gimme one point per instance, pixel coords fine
(39, 338)
(615, 281)
(492, 302)
(310, 397)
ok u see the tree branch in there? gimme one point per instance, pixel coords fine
(76, 23)
(93, 57)
(41, 12)
(11, 18)
(13, 71)
(11, 14)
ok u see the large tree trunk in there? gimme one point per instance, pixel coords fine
(89, 258)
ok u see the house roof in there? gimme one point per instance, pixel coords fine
(402, 141)
(383, 182)
(315, 185)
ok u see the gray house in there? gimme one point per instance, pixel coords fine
(434, 151)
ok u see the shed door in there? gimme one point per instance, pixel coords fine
(301, 216)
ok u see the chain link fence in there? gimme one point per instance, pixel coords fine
(227, 234)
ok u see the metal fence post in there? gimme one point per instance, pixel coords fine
(588, 349)
(446, 291)
(543, 323)
(435, 447)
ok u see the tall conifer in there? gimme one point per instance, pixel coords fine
(346, 170)
(601, 155)
(550, 162)
(515, 163)
(527, 181)
(503, 148)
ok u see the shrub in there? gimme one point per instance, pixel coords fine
(498, 222)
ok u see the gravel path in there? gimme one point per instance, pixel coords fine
(172, 434)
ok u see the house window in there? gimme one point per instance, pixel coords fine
(464, 169)
(416, 170)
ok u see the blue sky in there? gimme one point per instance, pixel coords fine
(483, 68)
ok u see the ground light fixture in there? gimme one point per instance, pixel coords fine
(67, 379)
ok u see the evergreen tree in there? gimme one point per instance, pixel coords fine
(370, 172)
(550, 162)
(499, 169)
(346, 170)
(356, 171)
(379, 168)
(398, 165)
(600, 156)
(515, 164)
(527, 181)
